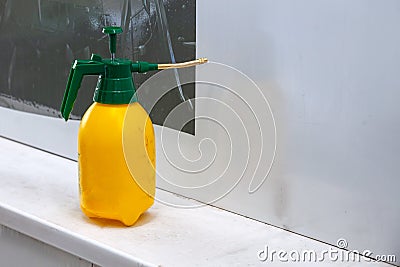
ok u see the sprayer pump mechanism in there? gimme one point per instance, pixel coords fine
(115, 84)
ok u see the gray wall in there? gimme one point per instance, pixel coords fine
(330, 70)
(17, 249)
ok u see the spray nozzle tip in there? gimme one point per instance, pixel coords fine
(112, 31)
(203, 60)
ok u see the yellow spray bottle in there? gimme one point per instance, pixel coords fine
(108, 188)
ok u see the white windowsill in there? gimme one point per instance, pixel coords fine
(39, 198)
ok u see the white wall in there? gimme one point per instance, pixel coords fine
(330, 70)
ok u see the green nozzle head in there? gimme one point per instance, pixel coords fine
(112, 32)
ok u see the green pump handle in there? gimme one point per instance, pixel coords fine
(112, 32)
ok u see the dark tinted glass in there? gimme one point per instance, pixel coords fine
(40, 39)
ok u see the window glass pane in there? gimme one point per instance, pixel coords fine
(40, 39)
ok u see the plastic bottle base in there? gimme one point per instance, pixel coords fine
(126, 221)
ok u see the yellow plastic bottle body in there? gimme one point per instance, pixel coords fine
(116, 164)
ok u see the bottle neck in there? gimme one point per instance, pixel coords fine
(114, 91)
(116, 85)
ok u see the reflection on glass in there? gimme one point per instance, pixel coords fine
(40, 39)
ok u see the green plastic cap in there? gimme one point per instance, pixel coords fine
(115, 86)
